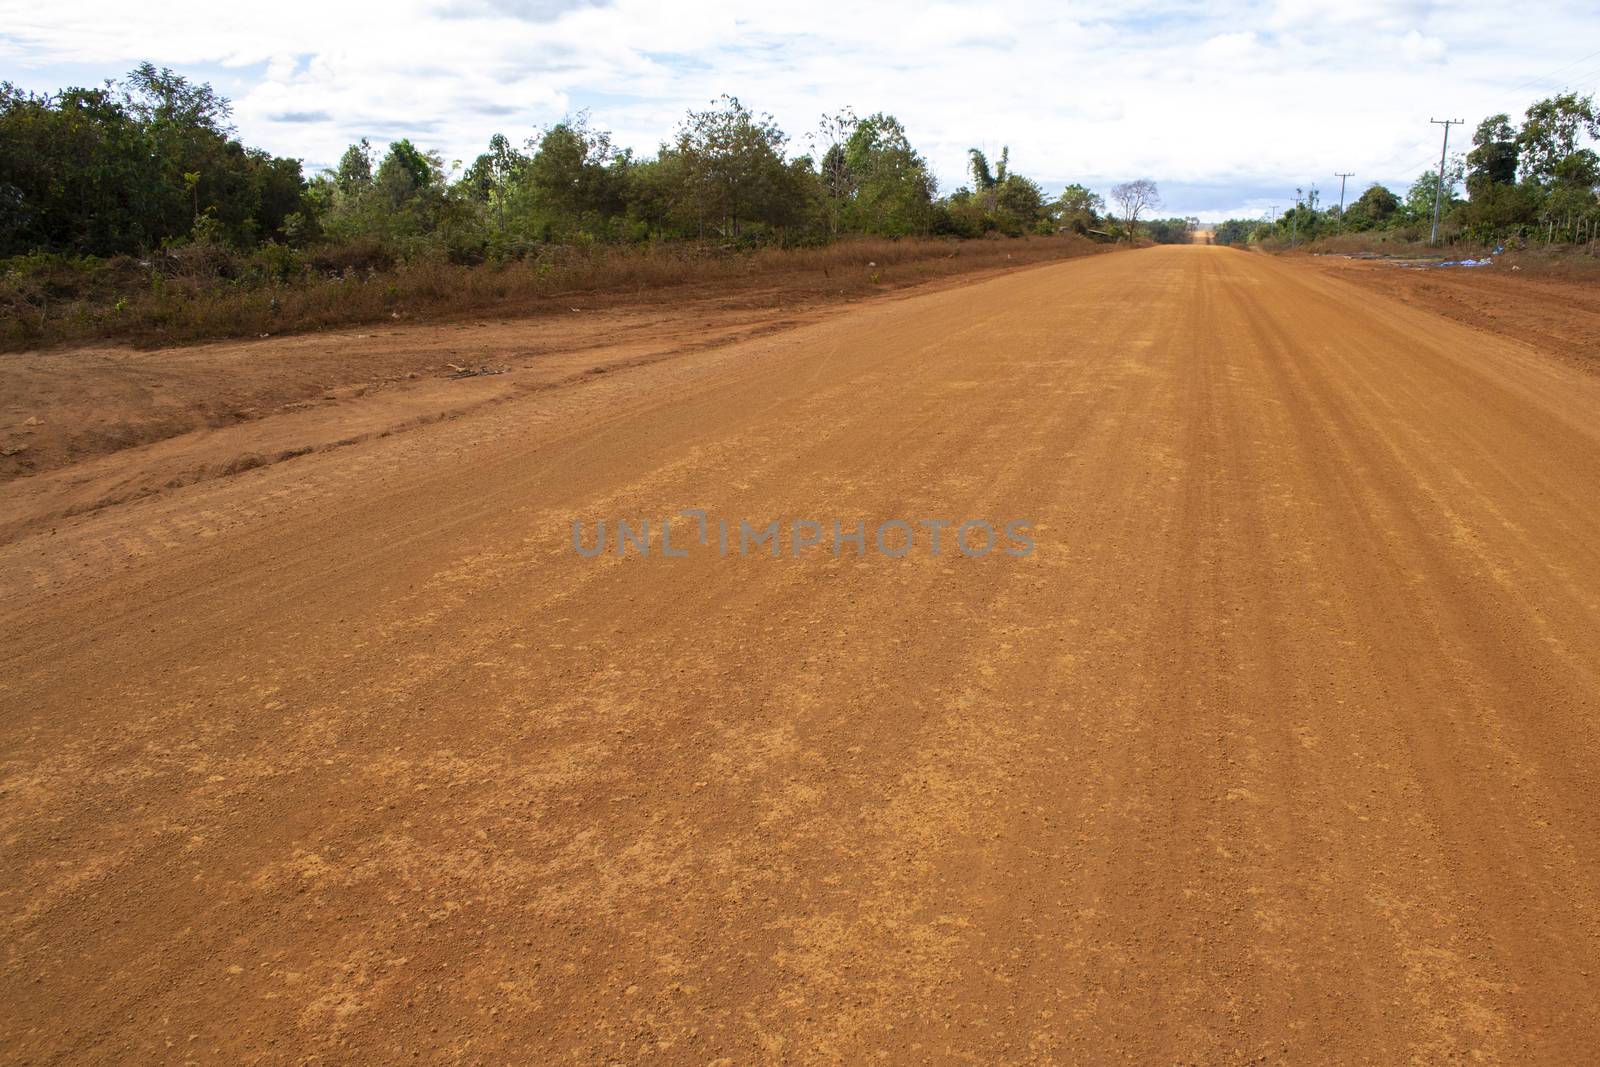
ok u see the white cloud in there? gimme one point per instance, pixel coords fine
(1418, 48)
(1229, 48)
(1221, 96)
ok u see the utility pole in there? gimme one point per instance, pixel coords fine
(1438, 185)
(1342, 175)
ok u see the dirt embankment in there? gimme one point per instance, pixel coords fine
(213, 408)
(1558, 315)
(213, 294)
(65, 406)
(82, 428)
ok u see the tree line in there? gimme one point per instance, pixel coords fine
(153, 162)
(1535, 180)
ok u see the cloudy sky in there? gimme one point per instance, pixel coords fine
(1228, 106)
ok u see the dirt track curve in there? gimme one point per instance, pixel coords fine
(1281, 746)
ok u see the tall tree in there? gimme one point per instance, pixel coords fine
(895, 189)
(1373, 208)
(1078, 210)
(1493, 159)
(983, 178)
(1552, 131)
(1133, 199)
(134, 165)
(838, 181)
(354, 172)
(734, 166)
(1018, 203)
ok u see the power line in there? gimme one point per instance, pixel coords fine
(1539, 79)
(1580, 79)
(1558, 70)
(1572, 83)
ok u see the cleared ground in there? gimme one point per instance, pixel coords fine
(1281, 746)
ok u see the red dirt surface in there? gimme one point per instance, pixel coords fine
(1281, 746)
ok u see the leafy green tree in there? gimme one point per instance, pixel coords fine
(1496, 204)
(1552, 131)
(77, 174)
(1170, 231)
(1234, 232)
(1419, 200)
(1373, 209)
(961, 214)
(1571, 194)
(1580, 170)
(190, 133)
(245, 195)
(983, 179)
(1499, 209)
(354, 173)
(653, 195)
(894, 188)
(734, 170)
(1493, 159)
(1304, 221)
(490, 184)
(132, 166)
(406, 171)
(1018, 205)
(493, 170)
(406, 198)
(1078, 210)
(153, 161)
(575, 181)
(278, 192)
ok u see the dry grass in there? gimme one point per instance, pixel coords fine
(1578, 264)
(1389, 244)
(1574, 262)
(147, 307)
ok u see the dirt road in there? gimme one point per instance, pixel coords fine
(1281, 746)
